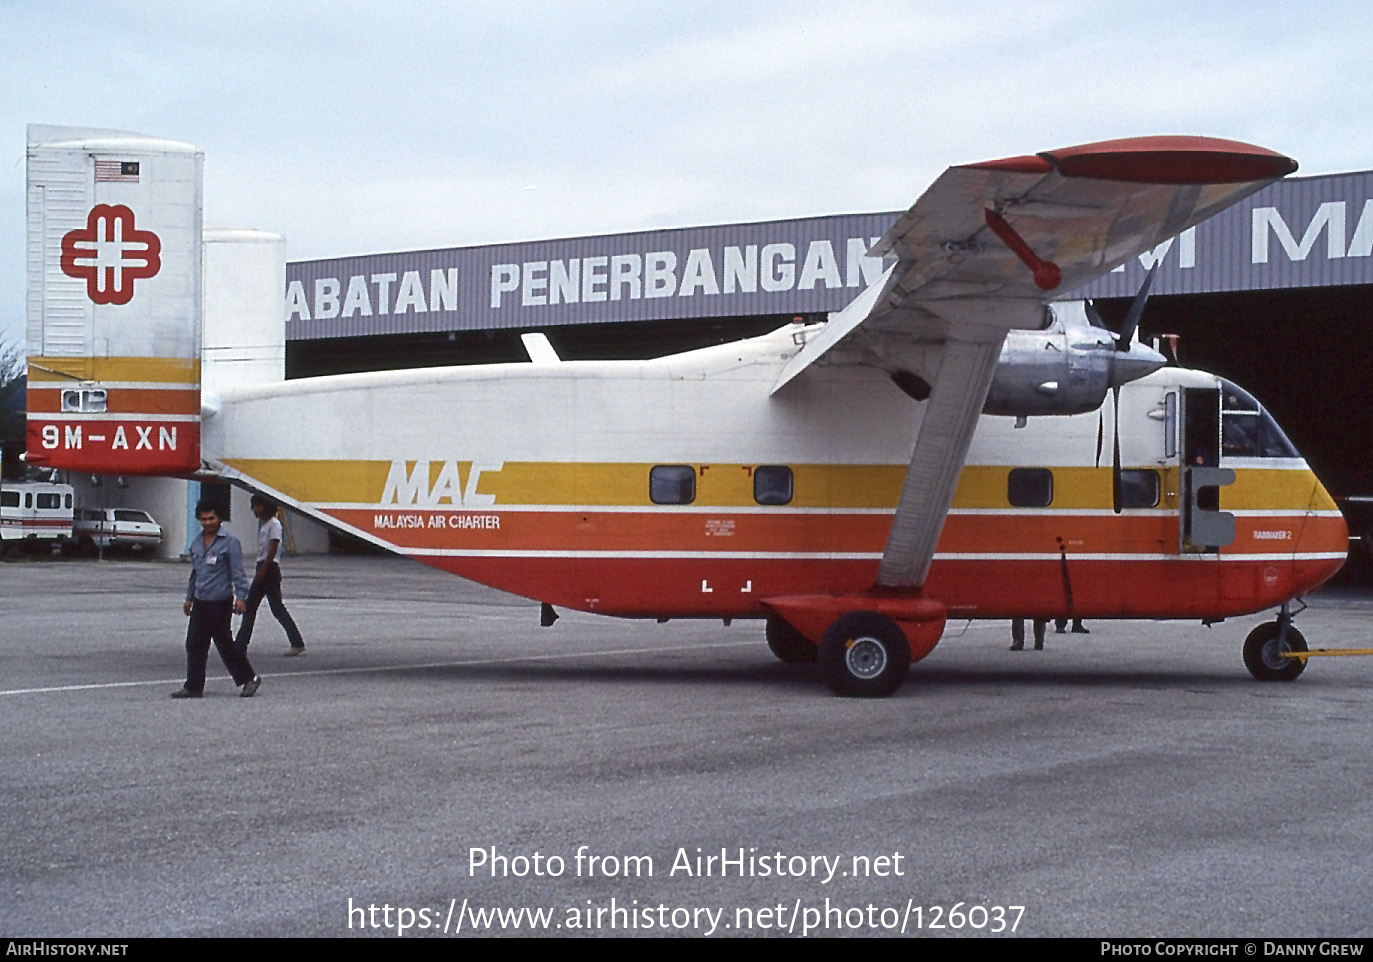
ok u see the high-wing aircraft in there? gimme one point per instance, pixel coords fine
(951, 444)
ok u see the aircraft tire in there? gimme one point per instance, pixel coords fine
(864, 655)
(788, 644)
(1263, 658)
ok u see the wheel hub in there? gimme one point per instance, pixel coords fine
(866, 658)
(1272, 655)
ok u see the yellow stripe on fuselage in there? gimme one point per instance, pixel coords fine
(847, 486)
(595, 485)
(1257, 489)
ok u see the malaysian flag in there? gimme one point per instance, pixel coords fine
(116, 171)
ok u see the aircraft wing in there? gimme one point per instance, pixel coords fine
(983, 250)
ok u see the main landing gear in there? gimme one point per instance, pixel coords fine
(788, 644)
(864, 655)
(863, 643)
(1265, 647)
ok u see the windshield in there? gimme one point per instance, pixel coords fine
(1247, 430)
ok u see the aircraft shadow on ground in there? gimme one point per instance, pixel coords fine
(794, 677)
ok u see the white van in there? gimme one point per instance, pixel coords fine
(35, 510)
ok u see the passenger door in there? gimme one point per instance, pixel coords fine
(1204, 528)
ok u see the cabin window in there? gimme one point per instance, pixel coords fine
(9, 499)
(1139, 488)
(1170, 425)
(49, 501)
(1030, 487)
(772, 484)
(68, 501)
(672, 484)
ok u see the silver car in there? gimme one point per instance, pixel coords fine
(106, 529)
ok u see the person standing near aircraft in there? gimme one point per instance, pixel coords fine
(1018, 633)
(216, 590)
(267, 580)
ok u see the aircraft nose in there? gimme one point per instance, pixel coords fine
(1134, 363)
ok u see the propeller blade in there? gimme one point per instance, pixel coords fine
(1115, 453)
(1094, 316)
(1100, 434)
(1127, 330)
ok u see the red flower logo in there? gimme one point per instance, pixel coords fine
(110, 254)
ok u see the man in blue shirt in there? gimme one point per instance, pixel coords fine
(216, 589)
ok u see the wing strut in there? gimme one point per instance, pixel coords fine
(950, 418)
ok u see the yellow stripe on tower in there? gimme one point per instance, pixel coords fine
(164, 370)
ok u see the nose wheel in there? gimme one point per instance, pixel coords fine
(1265, 648)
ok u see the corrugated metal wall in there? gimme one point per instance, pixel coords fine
(1300, 232)
(777, 267)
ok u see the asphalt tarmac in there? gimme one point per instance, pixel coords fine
(436, 756)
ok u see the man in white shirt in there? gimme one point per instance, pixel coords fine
(267, 580)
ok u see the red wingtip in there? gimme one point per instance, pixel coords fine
(1155, 160)
(1171, 160)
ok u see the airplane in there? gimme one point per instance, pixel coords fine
(957, 442)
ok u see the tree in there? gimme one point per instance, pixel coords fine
(12, 404)
(11, 364)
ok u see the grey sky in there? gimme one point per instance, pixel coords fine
(353, 128)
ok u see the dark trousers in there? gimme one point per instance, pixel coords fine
(210, 622)
(1018, 632)
(268, 586)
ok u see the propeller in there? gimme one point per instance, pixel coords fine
(1115, 450)
(1125, 355)
(1127, 330)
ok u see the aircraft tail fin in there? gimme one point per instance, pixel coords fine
(114, 302)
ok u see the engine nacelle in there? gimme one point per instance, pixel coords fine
(1064, 369)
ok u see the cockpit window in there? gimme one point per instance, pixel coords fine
(1247, 430)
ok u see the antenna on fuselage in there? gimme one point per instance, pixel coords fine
(540, 351)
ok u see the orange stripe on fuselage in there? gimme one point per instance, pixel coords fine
(1001, 532)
